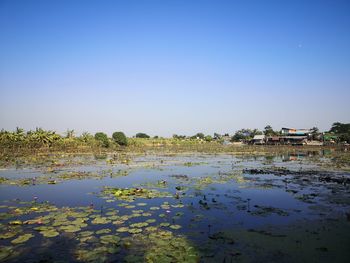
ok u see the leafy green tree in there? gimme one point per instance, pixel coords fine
(256, 132)
(208, 138)
(102, 138)
(315, 133)
(268, 131)
(217, 136)
(243, 134)
(342, 130)
(339, 128)
(198, 135)
(120, 138)
(142, 135)
(179, 137)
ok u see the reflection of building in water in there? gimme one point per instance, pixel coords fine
(299, 155)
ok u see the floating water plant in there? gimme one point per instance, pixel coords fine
(130, 194)
(22, 239)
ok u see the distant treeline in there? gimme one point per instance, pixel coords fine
(40, 138)
(340, 132)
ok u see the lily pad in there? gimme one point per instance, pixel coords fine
(86, 233)
(49, 233)
(139, 225)
(101, 220)
(103, 231)
(110, 239)
(123, 229)
(5, 252)
(175, 227)
(22, 239)
(70, 228)
(134, 230)
(7, 235)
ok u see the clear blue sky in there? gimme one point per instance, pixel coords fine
(165, 67)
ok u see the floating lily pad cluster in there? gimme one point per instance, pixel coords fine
(78, 175)
(130, 194)
(84, 224)
(157, 245)
(55, 177)
(92, 248)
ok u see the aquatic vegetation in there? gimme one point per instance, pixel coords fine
(99, 220)
(205, 215)
(50, 232)
(3, 180)
(77, 175)
(175, 227)
(224, 236)
(110, 239)
(122, 229)
(266, 210)
(139, 225)
(6, 252)
(158, 184)
(189, 164)
(131, 194)
(162, 246)
(22, 239)
(103, 231)
(8, 234)
(323, 176)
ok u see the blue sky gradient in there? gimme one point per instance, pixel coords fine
(165, 67)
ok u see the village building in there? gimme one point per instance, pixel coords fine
(295, 132)
(273, 140)
(258, 139)
(295, 136)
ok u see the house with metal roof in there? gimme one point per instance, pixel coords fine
(258, 139)
(295, 132)
(295, 136)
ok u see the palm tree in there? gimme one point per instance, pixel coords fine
(70, 133)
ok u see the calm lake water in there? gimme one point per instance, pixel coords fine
(180, 208)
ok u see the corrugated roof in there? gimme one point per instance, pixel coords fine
(259, 137)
